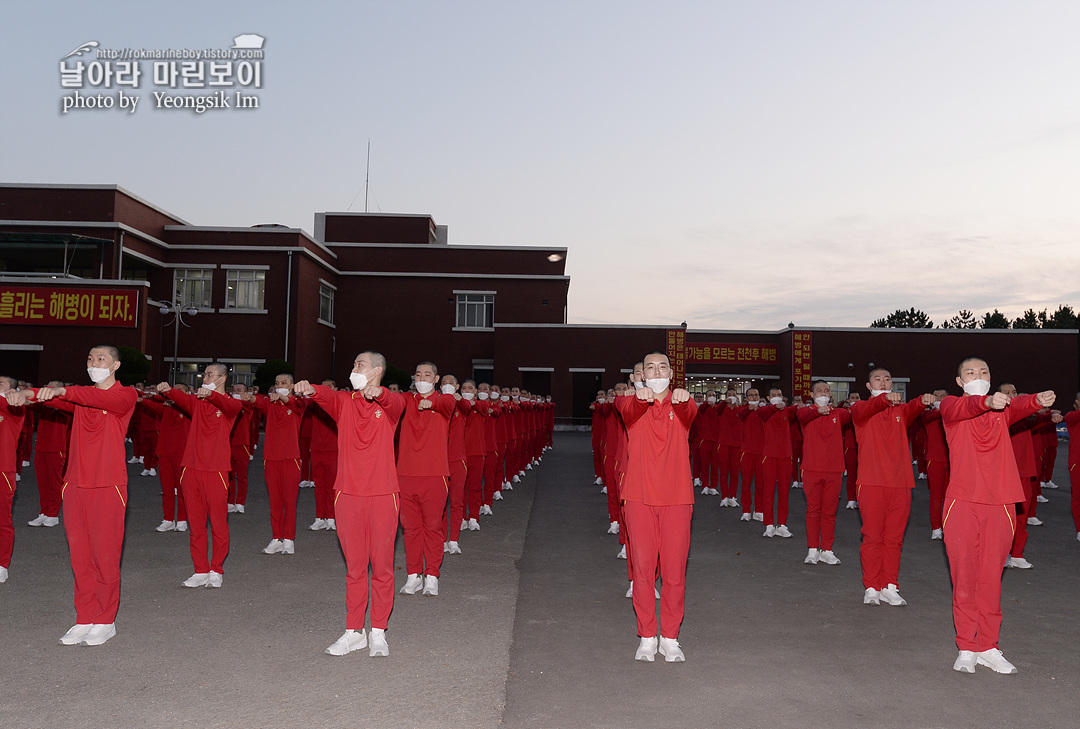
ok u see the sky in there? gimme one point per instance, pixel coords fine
(734, 165)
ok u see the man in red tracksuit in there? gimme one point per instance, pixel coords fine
(598, 436)
(240, 448)
(205, 475)
(423, 471)
(979, 517)
(751, 456)
(173, 425)
(475, 452)
(366, 496)
(851, 455)
(728, 449)
(885, 483)
(822, 469)
(324, 457)
(12, 418)
(53, 436)
(493, 458)
(1072, 423)
(776, 420)
(95, 492)
(937, 462)
(281, 461)
(457, 464)
(658, 502)
(707, 425)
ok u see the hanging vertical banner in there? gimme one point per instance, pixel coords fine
(801, 364)
(676, 352)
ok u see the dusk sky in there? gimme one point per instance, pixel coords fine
(737, 165)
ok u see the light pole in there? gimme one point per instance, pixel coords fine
(178, 319)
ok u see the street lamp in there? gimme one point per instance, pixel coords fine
(178, 319)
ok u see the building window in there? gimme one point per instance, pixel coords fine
(475, 311)
(193, 287)
(245, 289)
(326, 303)
(242, 374)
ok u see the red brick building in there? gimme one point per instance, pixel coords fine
(86, 264)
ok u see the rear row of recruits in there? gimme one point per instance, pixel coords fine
(432, 459)
(980, 458)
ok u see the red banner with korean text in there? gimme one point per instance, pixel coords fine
(801, 363)
(676, 352)
(66, 306)
(725, 353)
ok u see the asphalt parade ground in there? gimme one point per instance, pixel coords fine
(531, 627)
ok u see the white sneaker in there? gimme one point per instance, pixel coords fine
(622, 553)
(1042, 499)
(852, 505)
(239, 508)
(377, 643)
(1019, 563)
(812, 556)
(455, 548)
(528, 466)
(215, 579)
(993, 660)
(76, 634)
(1050, 485)
(770, 531)
(181, 526)
(232, 508)
(351, 640)
(331, 525)
(646, 650)
(431, 585)
(796, 485)
(516, 479)
(18, 477)
(133, 459)
(937, 534)
(713, 492)
(670, 650)
(965, 662)
(1078, 536)
(199, 579)
(445, 547)
(38, 520)
(759, 516)
(1034, 521)
(318, 525)
(474, 525)
(745, 516)
(497, 496)
(484, 510)
(464, 524)
(98, 634)
(3, 574)
(828, 557)
(145, 472)
(274, 547)
(732, 501)
(288, 546)
(508, 487)
(603, 490)
(783, 531)
(891, 594)
(153, 472)
(630, 590)
(413, 585)
(598, 481)
(25, 464)
(165, 526)
(871, 597)
(50, 521)
(922, 476)
(613, 528)
(697, 481)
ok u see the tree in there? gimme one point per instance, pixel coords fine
(995, 320)
(268, 371)
(1029, 320)
(901, 319)
(1063, 318)
(964, 320)
(134, 366)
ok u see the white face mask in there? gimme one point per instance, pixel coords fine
(711, 400)
(211, 386)
(470, 395)
(483, 395)
(98, 374)
(776, 401)
(753, 404)
(937, 405)
(237, 396)
(733, 400)
(875, 393)
(448, 389)
(637, 386)
(358, 380)
(977, 387)
(822, 401)
(283, 391)
(424, 387)
(505, 398)
(658, 384)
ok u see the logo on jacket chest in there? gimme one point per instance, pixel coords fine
(378, 413)
(217, 414)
